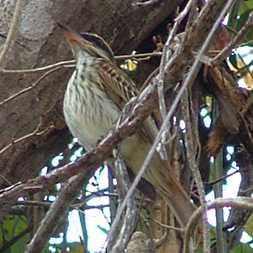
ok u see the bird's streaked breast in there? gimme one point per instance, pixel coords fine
(89, 113)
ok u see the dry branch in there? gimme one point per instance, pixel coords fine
(119, 238)
(36, 132)
(57, 211)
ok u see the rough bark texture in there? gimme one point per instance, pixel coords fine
(121, 24)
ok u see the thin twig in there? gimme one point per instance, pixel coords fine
(118, 238)
(48, 204)
(146, 3)
(246, 190)
(17, 42)
(224, 53)
(238, 202)
(193, 150)
(136, 56)
(29, 88)
(25, 137)
(88, 207)
(238, 218)
(185, 11)
(64, 64)
(166, 54)
(5, 180)
(96, 184)
(12, 31)
(189, 79)
(215, 181)
(165, 60)
(33, 203)
(217, 169)
(168, 227)
(71, 63)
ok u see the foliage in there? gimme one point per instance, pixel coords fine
(12, 227)
(242, 248)
(239, 16)
(249, 226)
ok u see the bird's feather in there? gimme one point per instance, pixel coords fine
(120, 88)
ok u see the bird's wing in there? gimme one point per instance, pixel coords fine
(120, 88)
(118, 83)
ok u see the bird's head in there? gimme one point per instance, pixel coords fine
(92, 44)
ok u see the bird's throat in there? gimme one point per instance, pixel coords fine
(84, 61)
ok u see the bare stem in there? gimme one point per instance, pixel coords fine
(238, 202)
(12, 31)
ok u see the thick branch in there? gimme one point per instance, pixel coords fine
(59, 210)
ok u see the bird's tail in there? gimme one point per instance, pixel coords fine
(175, 196)
(164, 179)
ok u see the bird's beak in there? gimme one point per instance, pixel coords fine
(73, 38)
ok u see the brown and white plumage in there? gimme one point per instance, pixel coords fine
(94, 99)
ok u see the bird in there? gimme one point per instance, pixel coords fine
(95, 96)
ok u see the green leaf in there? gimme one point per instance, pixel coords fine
(238, 16)
(246, 6)
(242, 248)
(249, 225)
(76, 247)
(12, 226)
